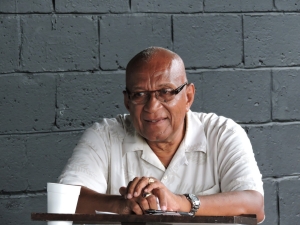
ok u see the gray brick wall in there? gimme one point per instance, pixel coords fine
(62, 68)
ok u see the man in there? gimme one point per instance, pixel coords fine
(164, 153)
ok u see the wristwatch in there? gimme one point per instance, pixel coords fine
(195, 201)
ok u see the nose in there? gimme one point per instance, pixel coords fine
(153, 104)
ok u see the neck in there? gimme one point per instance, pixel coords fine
(166, 150)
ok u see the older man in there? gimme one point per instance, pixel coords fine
(163, 152)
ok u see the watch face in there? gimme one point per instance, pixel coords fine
(194, 199)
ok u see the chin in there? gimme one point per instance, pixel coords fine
(158, 138)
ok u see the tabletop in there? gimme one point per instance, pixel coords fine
(143, 219)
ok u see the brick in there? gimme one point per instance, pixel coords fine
(238, 6)
(27, 102)
(13, 163)
(287, 5)
(241, 95)
(197, 80)
(208, 41)
(28, 6)
(289, 201)
(9, 43)
(271, 211)
(177, 6)
(59, 43)
(269, 40)
(285, 95)
(97, 95)
(30, 161)
(17, 209)
(47, 155)
(92, 6)
(119, 42)
(276, 148)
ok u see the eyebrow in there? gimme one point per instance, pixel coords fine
(161, 86)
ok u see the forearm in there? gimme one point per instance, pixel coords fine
(229, 204)
(89, 201)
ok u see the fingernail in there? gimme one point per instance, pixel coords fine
(135, 194)
(129, 196)
(164, 208)
(146, 190)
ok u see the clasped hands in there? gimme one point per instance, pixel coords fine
(144, 193)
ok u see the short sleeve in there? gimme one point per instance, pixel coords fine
(238, 168)
(88, 165)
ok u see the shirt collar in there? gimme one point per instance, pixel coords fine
(194, 139)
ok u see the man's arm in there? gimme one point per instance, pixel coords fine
(228, 204)
(90, 200)
(232, 203)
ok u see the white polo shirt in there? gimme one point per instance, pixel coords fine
(214, 156)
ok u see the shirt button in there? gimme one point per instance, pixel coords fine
(165, 177)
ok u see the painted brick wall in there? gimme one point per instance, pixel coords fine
(62, 68)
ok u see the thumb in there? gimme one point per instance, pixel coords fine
(162, 199)
(123, 191)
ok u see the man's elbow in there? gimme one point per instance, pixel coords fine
(259, 206)
(261, 214)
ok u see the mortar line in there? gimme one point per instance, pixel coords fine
(278, 203)
(271, 97)
(44, 132)
(10, 194)
(99, 41)
(284, 176)
(193, 70)
(56, 102)
(172, 32)
(271, 123)
(243, 41)
(53, 4)
(20, 41)
(199, 13)
(274, 4)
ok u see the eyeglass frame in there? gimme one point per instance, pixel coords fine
(174, 93)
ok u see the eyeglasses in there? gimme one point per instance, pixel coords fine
(163, 95)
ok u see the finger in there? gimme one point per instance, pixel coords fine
(152, 202)
(140, 185)
(162, 197)
(123, 191)
(136, 208)
(131, 187)
(143, 202)
(127, 195)
(156, 184)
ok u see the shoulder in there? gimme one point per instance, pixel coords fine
(214, 122)
(113, 127)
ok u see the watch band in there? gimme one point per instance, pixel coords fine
(195, 202)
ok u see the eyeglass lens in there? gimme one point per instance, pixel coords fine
(163, 95)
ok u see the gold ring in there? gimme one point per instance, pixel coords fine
(146, 194)
(151, 180)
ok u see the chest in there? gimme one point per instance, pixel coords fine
(192, 172)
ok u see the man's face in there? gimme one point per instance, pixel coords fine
(158, 121)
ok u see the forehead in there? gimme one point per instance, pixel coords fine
(155, 72)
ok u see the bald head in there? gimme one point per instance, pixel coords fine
(157, 95)
(151, 54)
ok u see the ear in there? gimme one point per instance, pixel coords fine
(190, 95)
(126, 100)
